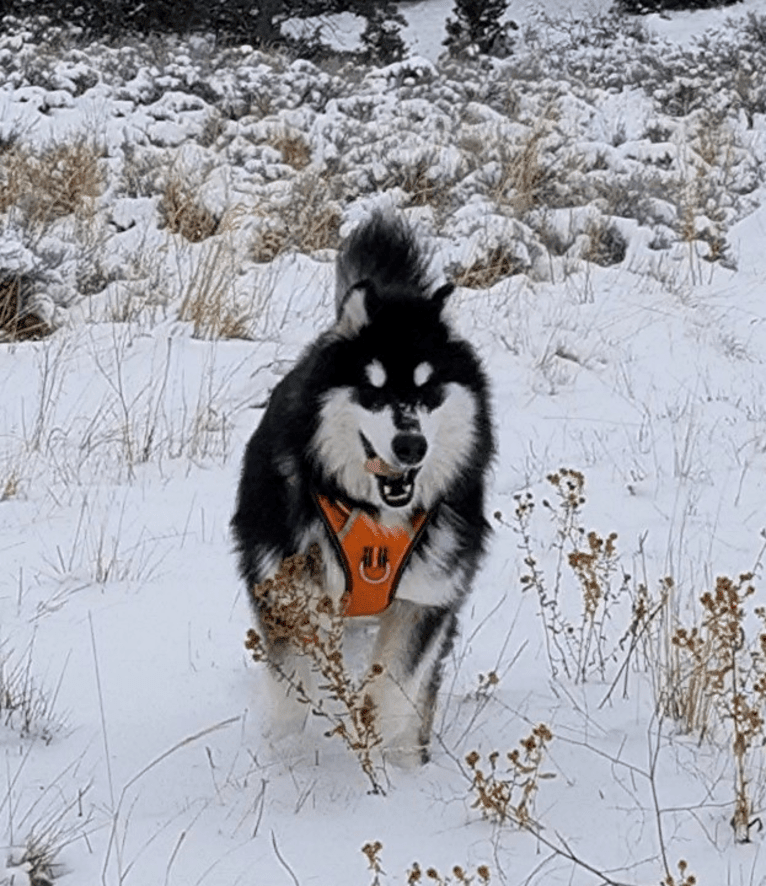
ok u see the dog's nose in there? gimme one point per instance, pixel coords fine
(409, 449)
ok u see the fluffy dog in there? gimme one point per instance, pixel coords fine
(376, 446)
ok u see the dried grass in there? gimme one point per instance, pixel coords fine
(484, 273)
(207, 302)
(422, 180)
(525, 180)
(183, 213)
(57, 181)
(308, 221)
(11, 485)
(293, 147)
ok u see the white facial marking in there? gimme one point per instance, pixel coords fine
(423, 371)
(450, 432)
(376, 374)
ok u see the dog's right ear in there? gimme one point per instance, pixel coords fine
(439, 298)
(356, 309)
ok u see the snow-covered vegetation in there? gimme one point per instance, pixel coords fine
(169, 213)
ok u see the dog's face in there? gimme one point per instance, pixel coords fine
(398, 422)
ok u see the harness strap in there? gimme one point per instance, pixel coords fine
(373, 556)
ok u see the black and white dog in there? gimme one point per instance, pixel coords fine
(376, 446)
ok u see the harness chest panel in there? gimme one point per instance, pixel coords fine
(373, 556)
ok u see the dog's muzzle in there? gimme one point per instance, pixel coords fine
(396, 485)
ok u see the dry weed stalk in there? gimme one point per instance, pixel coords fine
(576, 649)
(11, 485)
(24, 704)
(298, 615)
(511, 799)
(708, 174)
(524, 178)
(641, 637)
(714, 670)
(207, 301)
(372, 851)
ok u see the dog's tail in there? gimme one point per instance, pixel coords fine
(383, 253)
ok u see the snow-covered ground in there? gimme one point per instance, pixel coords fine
(600, 193)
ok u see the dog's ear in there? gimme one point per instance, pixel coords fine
(439, 298)
(358, 305)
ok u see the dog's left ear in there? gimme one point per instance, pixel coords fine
(355, 309)
(439, 298)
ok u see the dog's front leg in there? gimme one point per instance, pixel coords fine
(411, 645)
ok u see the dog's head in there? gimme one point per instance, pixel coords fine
(402, 410)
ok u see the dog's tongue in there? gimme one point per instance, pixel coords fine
(381, 468)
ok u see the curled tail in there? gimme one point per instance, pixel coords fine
(385, 254)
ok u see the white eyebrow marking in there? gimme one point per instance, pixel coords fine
(376, 374)
(423, 371)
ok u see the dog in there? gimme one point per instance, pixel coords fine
(376, 446)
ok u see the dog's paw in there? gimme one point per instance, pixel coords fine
(407, 757)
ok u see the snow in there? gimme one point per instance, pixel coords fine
(149, 760)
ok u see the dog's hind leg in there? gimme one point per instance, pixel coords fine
(412, 643)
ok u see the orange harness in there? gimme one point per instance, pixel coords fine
(373, 556)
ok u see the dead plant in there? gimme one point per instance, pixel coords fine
(685, 878)
(524, 179)
(207, 300)
(419, 180)
(484, 273)
(511, 798)
(416, 874)
(606, 245)
(9, 488)
(48, 184)
(578, 646)
(308, 221)
(716, 673)
(293, 147)
(25, 705)
(182, 212)
(298, 614)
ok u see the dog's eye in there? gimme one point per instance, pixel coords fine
(423, 371)
(376, 374)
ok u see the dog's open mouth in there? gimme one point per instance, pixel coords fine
(396, 487)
